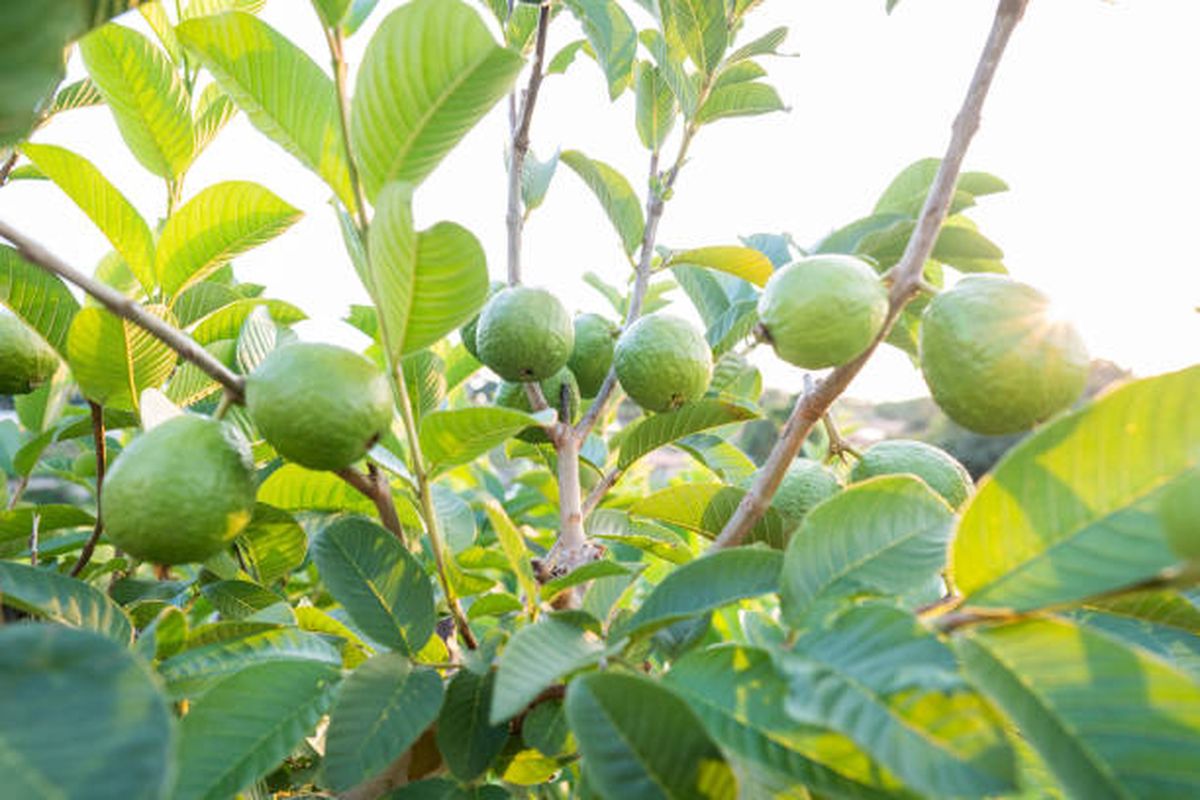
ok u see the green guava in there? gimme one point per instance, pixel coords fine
(524, 334)
(180, 492)
(319, 405)
(823, 311)
(995, 359)
(663, 362)
(592, 356)
(26, 361)
(805, 484)
(513, 395)
(1179, 510)
(467, 332)
(931, 464)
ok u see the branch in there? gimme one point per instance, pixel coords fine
(520, 147)
(600, 489)
(85, 555)
(126, 308)
(7, 167)
(906, 279)
(374, 486)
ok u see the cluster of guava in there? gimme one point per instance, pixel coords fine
(994, 358)
(525, 335)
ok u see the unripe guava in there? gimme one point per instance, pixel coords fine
(805, 484)
(26, 361)
(467, 332)
(940, 470)
(995, 359)
(524, 334)
(823, 311)
(180, 492)
(592, 356)
(319, 405)
(663, 362)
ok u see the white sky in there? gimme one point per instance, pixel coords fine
(1092, 121)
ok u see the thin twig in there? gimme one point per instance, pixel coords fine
(337, 55)
(839, 448)
(15, 497)
(85, 555)
(600, 489)
(7, 167)
(34, 524)
(519, 147)
(126, 308)
(812, 407)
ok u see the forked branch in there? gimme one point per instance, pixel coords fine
(906, 282)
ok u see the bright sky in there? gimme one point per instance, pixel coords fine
(1092, 121)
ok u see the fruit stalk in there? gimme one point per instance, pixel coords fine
(906, 277)
(85, 555)
(126, 308)
(337, 55)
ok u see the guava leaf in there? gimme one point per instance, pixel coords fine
(700, 27)
(40, 299)
(613, 39)
(113, 360)
(63, 600)
(705, 508)
(459, 436)
(467, 740)
(535, 657)
(656, 108)
(653, 432)
(616, 196)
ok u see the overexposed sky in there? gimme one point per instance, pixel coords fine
(1093, 121)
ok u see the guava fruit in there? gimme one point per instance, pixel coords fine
(1179, 510)
(319, 405)
(931, 464)
(180, 492)
(592, 356)
(663, 362)
(524, 334)
(26, 361)
(513, 395)
(994, 358)
(805, 484)
(822, 311)
(467, 332)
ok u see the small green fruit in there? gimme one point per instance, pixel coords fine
(592, 356)
(319, 405)
(467, 332)
(823, 311)
(1179, 511)
(180, 492)
(994, 358)
(524, 334)
(933, 465)
(513, 395)
(663, 362)
(26, 362)
(805, 484)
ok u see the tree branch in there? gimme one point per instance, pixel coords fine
(515, 219)
(906, 278)
(85, 555)
(600, 489)
(126, 308)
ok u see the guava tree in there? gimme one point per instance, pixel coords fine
(234, 564)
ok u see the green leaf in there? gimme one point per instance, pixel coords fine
(732, 327)
(147, 97)
(214, 110)
(561, 61)
(331, 12)
(628, 752)
(82, 717)
(114, 360)
(1178, 647)
(382, 708)
(536, 657)
(1072, 511)
(283, 92)
(740, 697)
(765, 45)
(653, 432)
(461, 435)
(227, 322)
(669, 58)
(705, 508)
(587, 573)
(616, 526)
(512, 543)
(155, 15)
(262, 713)
(274, 543)
(655, 107)
(613, 38)
(1110, 721)
(424, 285)
(222, 221)
(40, 299)
(723, 458)
(112, 213)
(705, 291)
(887, 535)
(381, 585)
(430, 73)
(64, 600)
(294, 488)
(535, 179)
(706, 584)
(875, 675)
(616, 196)
(467, 740)
(700, 26)
(194, 671)
(744, 99)
(354, 650)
